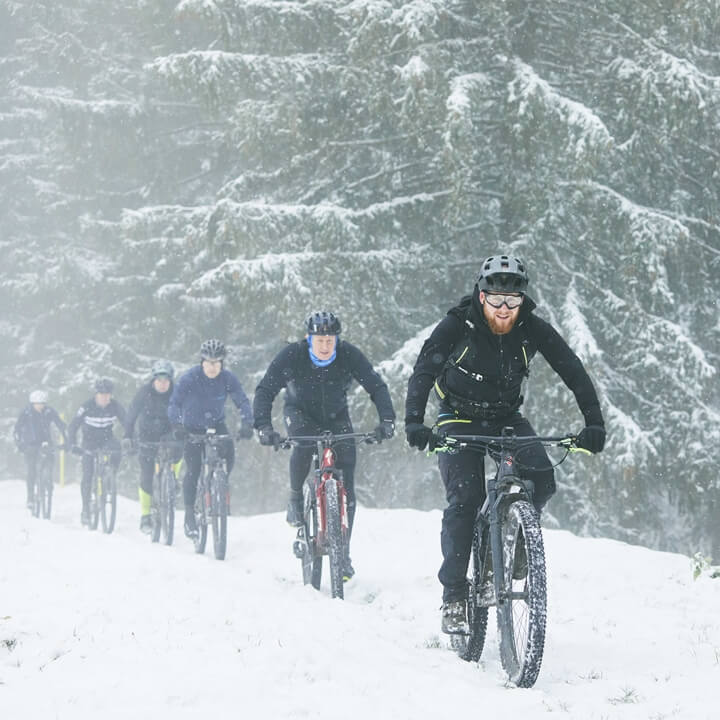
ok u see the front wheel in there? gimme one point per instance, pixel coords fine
(202, 510)
(168, 489)
(521, 614)
(107, 496)
(46, 491)
(220, 502)
(335, 539)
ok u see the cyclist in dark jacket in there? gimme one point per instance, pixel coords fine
(32, 430)
(476, 360)
(316, 374)
(96, 418)
(149, 409)
(198, 404)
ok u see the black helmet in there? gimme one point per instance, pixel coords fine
(162, 367)
(502, 273)
(212, 350)
(104, 385)
(322, 323)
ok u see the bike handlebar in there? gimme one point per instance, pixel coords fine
(452, 441)
(328, 438)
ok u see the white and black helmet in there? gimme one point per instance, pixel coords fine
(502, 273)
(212, 349)
(38, 396)
(322, 323)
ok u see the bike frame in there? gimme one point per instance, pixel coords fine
(163, 521)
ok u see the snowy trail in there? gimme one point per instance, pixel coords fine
(96, 625)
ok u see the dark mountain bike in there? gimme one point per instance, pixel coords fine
(164, 491)
(212, 500)
(507, 564)
(103, 490)
(325, 520)
(43, 491)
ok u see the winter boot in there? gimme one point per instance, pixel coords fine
(191, 530)
(295, 509)
(454, 620)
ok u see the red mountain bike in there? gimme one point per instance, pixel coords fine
(325, 526)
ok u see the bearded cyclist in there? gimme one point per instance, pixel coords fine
(476, 359)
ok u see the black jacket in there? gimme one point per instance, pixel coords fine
(32, 428)
(97, 423)
(149, 409)
(320, 393)
(465, 360)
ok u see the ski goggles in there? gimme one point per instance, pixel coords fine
(497, 300)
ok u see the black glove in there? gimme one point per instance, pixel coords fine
(245, 432)
(179, 432)
(76, 450)
(268, 436)
(419, 436)
(591, 438)
(385, 430)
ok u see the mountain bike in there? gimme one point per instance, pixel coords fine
(212, 499)
(325, 525)
(103, 490)
(507, 563)
(164, 490)
(43, 491)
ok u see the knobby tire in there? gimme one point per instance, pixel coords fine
(201, 516)
(219, 489)
(167, 505)
(335, 543)
(521, 617)
(108, 502)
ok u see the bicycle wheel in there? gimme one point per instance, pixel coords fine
(46, 482)
(220, 502)
(202, 509)
(167, 504)
(95, 495)
(36, 502)
(335, 540)
(480, 594)
(108, 502)
(306, 542)
(156, 507)
(521, 616)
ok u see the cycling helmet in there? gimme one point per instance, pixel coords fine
(322, 323)
(212, 350)
(502, 273)
(104, 385)
(162, 367)
(38, 396)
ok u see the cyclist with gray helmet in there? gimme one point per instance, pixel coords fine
(149, 410)
(198, 404)
(96, 419)
(476, 359)
(32, 429)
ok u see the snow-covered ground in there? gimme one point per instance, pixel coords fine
(110, 626)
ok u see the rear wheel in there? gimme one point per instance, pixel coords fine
(108, 501)
(335, 540)
(480, 594)
(95, 495)
(220, 502)
(521, 617)
(46, 483)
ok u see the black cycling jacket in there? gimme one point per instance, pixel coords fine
(320, 393)
(465, 360)
(149, 409)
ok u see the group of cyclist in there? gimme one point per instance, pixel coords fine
(475, 359)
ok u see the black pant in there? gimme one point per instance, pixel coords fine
(31, 460)
(112, 446)
(146, 459)
(297, 424)
(194, 454)
(464, 478)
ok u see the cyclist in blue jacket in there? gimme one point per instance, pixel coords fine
(198, 404)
